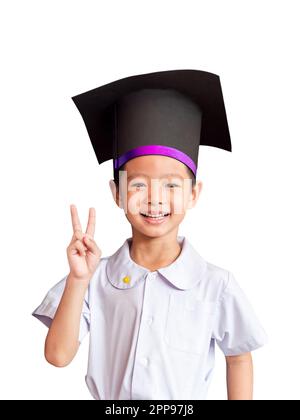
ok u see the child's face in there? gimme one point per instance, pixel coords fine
(155, 185)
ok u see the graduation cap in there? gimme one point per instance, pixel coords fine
(168, 113)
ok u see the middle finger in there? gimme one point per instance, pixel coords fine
(91, 222)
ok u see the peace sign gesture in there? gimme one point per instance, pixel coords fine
(83, 252)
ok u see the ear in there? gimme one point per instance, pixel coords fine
(195, 194)
(115, 192)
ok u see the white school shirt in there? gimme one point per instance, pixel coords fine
(152, 334)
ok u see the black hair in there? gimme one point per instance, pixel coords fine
(192, 176)
(116, 174)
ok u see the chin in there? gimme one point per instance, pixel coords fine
(152, 231)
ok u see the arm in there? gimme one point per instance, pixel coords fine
(62, 343)
(239, 375)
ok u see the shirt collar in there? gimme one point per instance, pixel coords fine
(184, 273)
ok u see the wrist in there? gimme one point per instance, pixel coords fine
(77, 283)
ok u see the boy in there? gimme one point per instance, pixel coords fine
(155, 308)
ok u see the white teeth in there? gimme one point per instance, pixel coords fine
(155, 216)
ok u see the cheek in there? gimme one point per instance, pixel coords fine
(134, 201)
(178, 202)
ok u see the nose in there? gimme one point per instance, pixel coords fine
(154, 202)
(155, 193)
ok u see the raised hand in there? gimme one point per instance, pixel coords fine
(83, 252)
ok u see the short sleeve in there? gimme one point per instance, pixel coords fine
(237, 329)
(46, 310)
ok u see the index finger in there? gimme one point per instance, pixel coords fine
(75, 219)
(91, 222)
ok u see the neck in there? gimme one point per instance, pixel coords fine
(154, 253)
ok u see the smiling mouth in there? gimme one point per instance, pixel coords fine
(155, 216)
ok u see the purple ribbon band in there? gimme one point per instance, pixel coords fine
(156, 149)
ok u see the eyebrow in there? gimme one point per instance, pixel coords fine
(165, 175)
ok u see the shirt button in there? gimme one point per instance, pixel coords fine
(126, 279)
(145, 361)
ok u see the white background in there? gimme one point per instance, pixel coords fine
(247, 217)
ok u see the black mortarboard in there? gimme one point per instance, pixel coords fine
(169, 113)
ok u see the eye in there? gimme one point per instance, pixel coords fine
(172, 185)
(138, 185)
